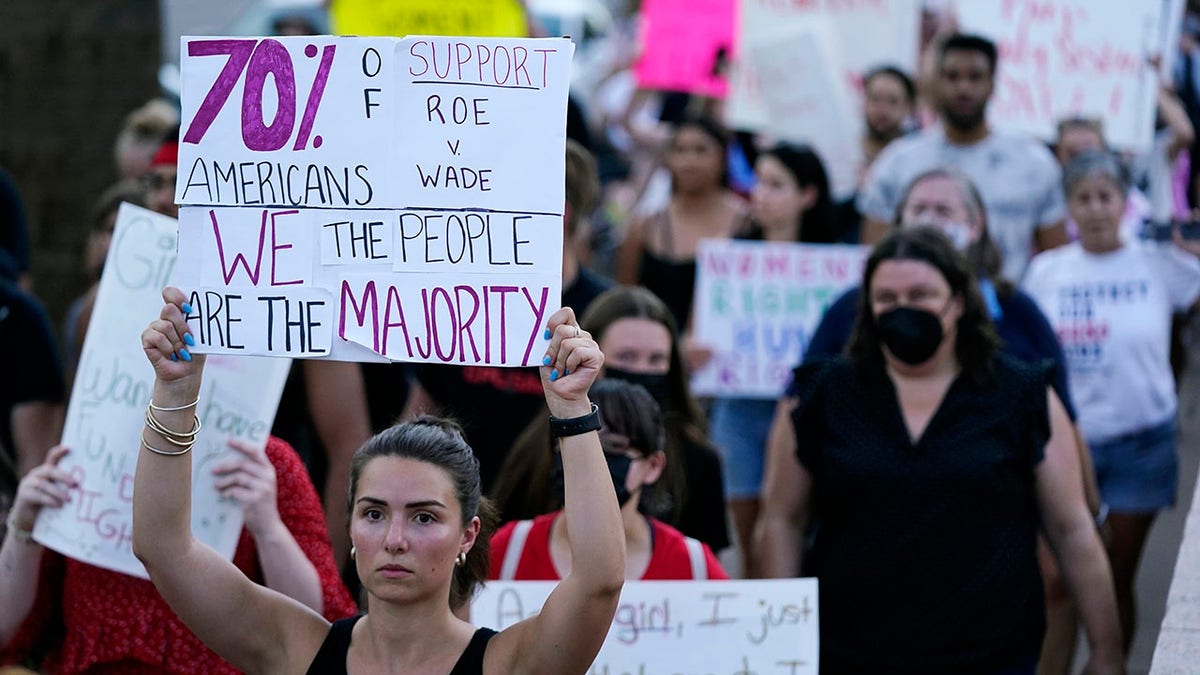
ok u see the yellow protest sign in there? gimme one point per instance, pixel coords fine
(485, 18)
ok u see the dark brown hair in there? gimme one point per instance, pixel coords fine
(522, 490)
(583, 184)
(975, 338)
(439, 442)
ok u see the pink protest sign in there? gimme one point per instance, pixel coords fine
(686, 45)
(1066, 58)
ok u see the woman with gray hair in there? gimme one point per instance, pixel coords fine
(1110, 300)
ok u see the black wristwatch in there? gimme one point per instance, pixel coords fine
(573, 426)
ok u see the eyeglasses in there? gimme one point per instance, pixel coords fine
(153, 182)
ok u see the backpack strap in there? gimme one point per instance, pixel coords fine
(516, 547)
(696, 556)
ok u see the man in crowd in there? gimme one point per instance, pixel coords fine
(1017, 175)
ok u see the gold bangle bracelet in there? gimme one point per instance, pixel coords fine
(174, 437)
(20, 535)
(186, 449)
(176, 408)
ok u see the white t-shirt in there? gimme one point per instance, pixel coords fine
(1019, 181)
(1112, 313)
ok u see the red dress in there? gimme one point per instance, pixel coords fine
(118, 624)
(671, 559)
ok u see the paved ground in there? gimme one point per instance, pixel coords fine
(1158, 562)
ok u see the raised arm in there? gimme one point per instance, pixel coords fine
(248, 478)
(1072, 534)
(204, 589)
(566, 636)
(779, 533)
(46, 486)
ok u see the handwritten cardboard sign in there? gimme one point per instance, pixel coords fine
(493, 18)
(866, 34)
(686, 45)
(757, 305)
(808, 101)
(717, 627)
(413, 212)
(1062, 58)
(107, 410)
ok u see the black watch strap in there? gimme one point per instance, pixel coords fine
(573, 426)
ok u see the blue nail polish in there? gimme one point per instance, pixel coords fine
(174, 358)
(547, 334)
(566, 372)
(183, 354)
(189, 340)
(545, 360)
(554, 375)
(187, 309)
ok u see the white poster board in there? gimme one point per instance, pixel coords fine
(1170, 24)
(1064, 58)
(107, 410)
(757, 306)
(809, 102)
(728, 627)
(373, 198)
(866, 35)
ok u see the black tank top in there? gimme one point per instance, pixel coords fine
(331, 658)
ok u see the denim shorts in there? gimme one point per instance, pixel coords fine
(1138, 472)
(739, 428)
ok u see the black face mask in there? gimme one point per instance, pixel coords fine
(655, 384)
(618, 469)
(911, 335)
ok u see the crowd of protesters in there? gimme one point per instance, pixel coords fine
(969, 459)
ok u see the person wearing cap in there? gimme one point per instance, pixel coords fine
(159, 181)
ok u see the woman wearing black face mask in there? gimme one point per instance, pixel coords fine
(929, 462)
(637, 333)
(632, 436)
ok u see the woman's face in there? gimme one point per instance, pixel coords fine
(1097, 204)
(406, 528)
(637, 346)
(695, 161)
(918, 285)
(777, 199)
(938, 201)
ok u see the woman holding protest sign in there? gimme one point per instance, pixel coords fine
(68, 616)
(637, 333)
(790, 202)
(633, 437)
(415, 523)
(929, 462)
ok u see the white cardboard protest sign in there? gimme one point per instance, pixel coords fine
(866, 35)
(1170, 24)
(718, 627)
(432, 204)
(107, 410)
(809, 103)
(1066, 58)
(757, 306)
